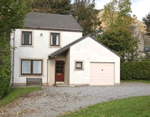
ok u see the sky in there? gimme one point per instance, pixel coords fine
(139, 7)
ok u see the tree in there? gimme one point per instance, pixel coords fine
(84, 12)
(86, 16)
(52, 6)
(147, 23)
(119, 32)
(12, 14)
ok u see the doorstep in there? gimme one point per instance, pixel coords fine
(61, 84)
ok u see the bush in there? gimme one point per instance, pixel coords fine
(135, 70)
(5, 68)
(10, 19)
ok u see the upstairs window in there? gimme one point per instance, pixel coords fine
(26, 38)
(55, 39)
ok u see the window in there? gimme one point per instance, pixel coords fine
(79, 65)
(55, 39)
(26, 38)
(60, 67)
(31, 67)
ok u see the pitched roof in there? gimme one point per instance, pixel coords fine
(65, 48)
(51, 21)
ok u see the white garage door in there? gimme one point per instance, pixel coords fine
(102, 74)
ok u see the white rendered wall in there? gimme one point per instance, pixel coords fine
(88, 51)
(40, 49)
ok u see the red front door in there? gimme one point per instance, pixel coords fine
(59, 71)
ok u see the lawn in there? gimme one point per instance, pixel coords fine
(136, 81)
(16, 93)
(128, 107)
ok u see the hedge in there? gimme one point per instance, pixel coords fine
(135, 70)
(5, 68)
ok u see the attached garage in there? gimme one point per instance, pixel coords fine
(90, 63)
(102, 73)
(100, 65)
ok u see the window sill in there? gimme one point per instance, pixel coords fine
(31, 76)
(78, 69)
(54, 46)
(26, 46)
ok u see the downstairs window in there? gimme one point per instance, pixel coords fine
(31, 67)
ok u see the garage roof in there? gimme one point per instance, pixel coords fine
(67, 47)
(51, 21)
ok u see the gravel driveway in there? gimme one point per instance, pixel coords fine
(54, 101)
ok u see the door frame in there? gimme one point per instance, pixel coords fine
(55, 69)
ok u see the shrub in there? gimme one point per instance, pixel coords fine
(135, 70)
(5, 68)
(12, 14)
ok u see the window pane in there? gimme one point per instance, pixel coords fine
(61, 63)
(57, 67)
(61, 67)
(37, 67)
(54, 39)
(57, 63)
(26, 39)
(57, 40)
(26, 67)
(78, 65)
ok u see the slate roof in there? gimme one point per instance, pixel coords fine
(67, 47)
(51, 21)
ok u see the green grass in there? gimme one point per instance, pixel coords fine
(128, 107)
(136, 81)
(16, 93)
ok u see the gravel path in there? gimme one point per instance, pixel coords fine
(54, 101)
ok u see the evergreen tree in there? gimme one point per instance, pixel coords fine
(52, 6)
(86, 16)
(12, 14)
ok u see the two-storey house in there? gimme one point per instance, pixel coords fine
(51, 47)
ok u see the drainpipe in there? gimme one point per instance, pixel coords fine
(13, 59)
(47, 71)
(55, 71)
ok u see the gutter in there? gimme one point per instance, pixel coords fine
(13, 59)
(50, 28)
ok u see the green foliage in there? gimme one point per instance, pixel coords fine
(117, 14)
(16, 93)
(135, 70)
(119, 35)
(12, 14)
(128, 107)
(52, 6)
(5, 67)
(86, 16)
(136, 81)
(121, 41)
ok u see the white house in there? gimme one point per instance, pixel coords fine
(51, 47)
